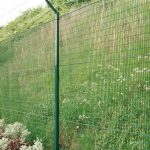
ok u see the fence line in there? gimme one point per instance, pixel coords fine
(104, 78)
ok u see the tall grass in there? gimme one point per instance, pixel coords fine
(104, 78)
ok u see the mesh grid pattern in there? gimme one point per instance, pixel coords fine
(26, 81)
(104, 78)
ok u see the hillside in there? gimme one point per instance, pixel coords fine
(104, 77)
(37, 16)
(28, 20)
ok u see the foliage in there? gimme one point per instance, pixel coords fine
(35, 17)
(4, 142)
(37, 146)
(104, 78)
(2, 125)
(29, 19)
(14, 137)
(16, 130)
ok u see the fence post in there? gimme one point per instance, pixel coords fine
(56, 88)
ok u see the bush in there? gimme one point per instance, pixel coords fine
(14, 137)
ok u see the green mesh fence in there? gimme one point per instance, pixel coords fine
(26, 82)
(104, 78)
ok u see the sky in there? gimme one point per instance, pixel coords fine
(10, 9)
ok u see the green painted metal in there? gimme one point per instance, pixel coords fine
(56, 83)
(104, 78)
(56, 98)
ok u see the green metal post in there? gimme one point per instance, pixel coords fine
(56, 88)
(56, 132)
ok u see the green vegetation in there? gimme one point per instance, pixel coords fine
(14, 137)
(28, 20)
(104, 78)
(35, 17)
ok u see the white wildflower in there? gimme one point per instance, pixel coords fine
(112, 67)
(37, 146)
(13, 131)
(78, 127)
(82, 117)
(122, 93)
(141, 70)
(94, 84)
(144, 69)
(24, 134)
(84, 101)
(99, 103)
(136, 69)
(84, 83)
(26, 147)
(4, 143)
(121, 79)
(65, 101)
(109, 66)
(16, 130)
(147, 88)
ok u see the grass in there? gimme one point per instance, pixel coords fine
(104, 78)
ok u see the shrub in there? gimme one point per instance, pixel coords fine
(14, 137)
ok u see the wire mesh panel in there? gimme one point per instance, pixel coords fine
(26, 82)
(105, 76)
